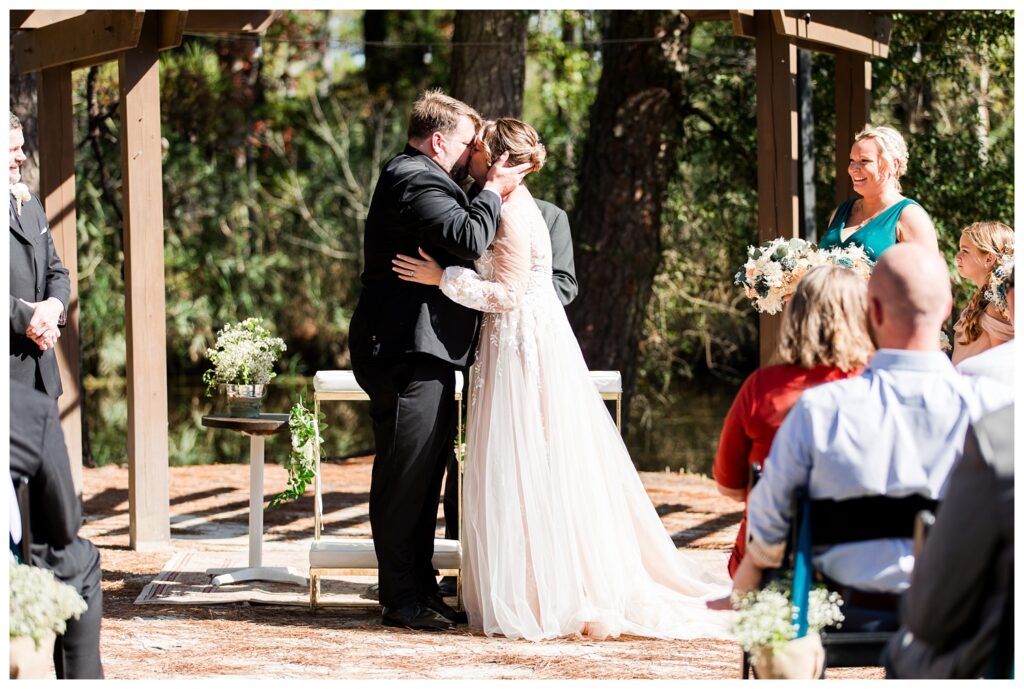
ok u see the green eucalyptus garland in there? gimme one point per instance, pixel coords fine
(307, 431)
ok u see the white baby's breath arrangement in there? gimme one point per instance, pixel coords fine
(766, 617)
(39, 603)
(307, 431)
(21, 195)
(999, 283)
(245, 354)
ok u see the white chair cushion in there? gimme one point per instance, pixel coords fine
(357, 553)
(335, 381)
(607, 381)
(345, 381)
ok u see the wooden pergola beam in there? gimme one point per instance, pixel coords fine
(172, 28)
(229, 21)
(37, 19)
(94, 36)
(853, 31)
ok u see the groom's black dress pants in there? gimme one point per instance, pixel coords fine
(412, 403)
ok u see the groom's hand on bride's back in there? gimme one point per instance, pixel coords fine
(502, 179)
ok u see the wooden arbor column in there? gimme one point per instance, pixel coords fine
(145, 311)
(853, 102)
(777, 141)
(57, 192)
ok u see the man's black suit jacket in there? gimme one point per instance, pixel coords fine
(416, 204)
(36, 274)
(55, 512)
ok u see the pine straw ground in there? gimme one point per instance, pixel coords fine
(263, 641)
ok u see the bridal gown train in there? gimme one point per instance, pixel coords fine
(559, 536)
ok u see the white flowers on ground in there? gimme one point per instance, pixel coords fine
(245, 354)
(40, 604)
(772, 271)
(765, 619)
(21, 195)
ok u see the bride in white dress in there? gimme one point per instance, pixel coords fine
(559, 536)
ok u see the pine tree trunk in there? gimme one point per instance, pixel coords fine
(489, 60)
(629, 160)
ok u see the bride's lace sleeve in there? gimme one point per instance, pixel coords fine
(511, 273)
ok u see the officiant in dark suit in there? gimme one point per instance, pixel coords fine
(407, 341)
(39, 284)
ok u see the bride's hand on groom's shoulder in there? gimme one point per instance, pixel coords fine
(503, 179)
(426, 271)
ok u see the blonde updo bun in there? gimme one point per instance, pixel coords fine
(892, 146)
(518, 138)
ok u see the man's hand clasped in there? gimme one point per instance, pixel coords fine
(43, 328)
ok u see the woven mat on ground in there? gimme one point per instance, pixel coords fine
(184, 581)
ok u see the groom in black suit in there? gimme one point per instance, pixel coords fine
(407, 340)
(39, 284)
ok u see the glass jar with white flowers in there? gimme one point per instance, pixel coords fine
(766, 629)
(243, 361)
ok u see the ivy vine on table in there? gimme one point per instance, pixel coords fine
(306, 431)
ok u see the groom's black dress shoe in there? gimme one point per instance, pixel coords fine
(448, 588)
(437, 604)
(417, 617)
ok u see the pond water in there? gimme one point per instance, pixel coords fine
(677, 431)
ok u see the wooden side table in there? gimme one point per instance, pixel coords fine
(257, 428)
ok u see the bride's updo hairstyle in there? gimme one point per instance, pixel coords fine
(518, 138)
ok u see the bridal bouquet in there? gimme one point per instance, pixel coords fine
(852, 257)
(765, 623)
(770, 275)
(772, 271)
(999, 282)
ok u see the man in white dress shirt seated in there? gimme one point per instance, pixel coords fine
(997, 362)
(897, 430)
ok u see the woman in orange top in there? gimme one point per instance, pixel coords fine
(824, 337)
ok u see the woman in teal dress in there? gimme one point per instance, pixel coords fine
(881, 216)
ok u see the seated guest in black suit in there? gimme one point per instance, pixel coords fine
(958, 614)
(38, 453)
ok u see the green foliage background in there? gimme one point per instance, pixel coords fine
(272, 149)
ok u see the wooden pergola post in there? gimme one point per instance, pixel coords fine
(777, 140)
(145, 312)
(57, 192)
(853, 102)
